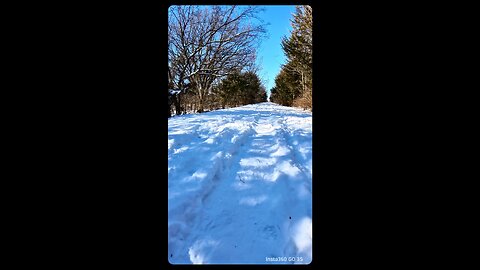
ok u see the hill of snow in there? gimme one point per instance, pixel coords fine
(240, 186)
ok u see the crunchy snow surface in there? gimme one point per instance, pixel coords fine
(240, 186)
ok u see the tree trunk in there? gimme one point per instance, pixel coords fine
(200, 100)
(303, 84)
(176, 102)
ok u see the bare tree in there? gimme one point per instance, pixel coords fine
(209, 42)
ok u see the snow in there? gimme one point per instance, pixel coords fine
(239, 186)
(174, 91)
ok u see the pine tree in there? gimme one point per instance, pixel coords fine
(240, 89)
(298, 49)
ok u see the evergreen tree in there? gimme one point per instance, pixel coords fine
(294, 83)
(240, 89)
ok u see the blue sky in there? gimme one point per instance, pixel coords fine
(270, 55)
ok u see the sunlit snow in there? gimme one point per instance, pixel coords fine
(240, 186)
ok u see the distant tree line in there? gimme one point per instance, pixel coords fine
(293, 85)
(211, 57)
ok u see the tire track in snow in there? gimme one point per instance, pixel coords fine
(220, 163)
(266, 230)
(225, 158)
(184, 214)
(231, 156)
(285, 131)
(214, 216)
(291, 246)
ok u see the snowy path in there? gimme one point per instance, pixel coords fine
(240, 186)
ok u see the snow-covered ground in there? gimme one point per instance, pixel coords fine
(240, 186)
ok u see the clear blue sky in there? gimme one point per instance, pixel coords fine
(270, 55)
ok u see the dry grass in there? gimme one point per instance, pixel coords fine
(304, 102)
